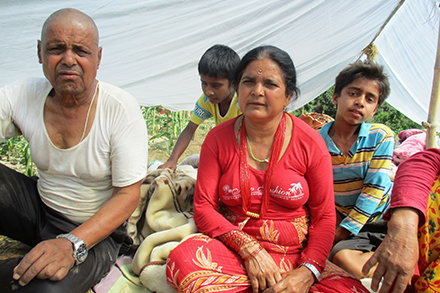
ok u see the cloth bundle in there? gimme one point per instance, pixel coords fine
(411, 142)
(163, 218)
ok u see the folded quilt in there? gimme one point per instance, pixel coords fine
(162, 219)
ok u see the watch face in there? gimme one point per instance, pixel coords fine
(81, 253)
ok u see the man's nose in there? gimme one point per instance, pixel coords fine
(69, 58)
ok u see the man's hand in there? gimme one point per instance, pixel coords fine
(296, 281)
(51, 259)
(262, 271)
(397, 256)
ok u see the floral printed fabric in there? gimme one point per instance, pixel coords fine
(429, 245)
(203, 264)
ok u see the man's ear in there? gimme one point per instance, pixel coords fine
(39, 52)
(335, 99)
(99, 56)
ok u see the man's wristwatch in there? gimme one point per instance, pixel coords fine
(80, 250)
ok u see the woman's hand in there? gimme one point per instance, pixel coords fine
(262, 271)
(296, 281)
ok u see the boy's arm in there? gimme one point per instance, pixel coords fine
(341, 233)
(181, 145)
(376, 182)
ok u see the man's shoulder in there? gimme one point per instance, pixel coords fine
(113, 90)
(379, 129)
(378, 135)
(31, 83)
(27, 89)
(381, 126)
(117, 95)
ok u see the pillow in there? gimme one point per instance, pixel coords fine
(411, 145)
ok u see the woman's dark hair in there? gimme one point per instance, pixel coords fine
(278, 56)
(219, 61)
(363, 69)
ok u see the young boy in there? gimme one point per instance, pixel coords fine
(361, 156)
(216, 70)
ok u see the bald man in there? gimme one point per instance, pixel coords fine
(88, 140)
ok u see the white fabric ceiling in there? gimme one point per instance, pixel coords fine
(151, 48)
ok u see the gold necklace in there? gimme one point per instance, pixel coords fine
(88, 113)
(244, 169)
(252, 155)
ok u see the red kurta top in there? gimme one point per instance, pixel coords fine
(422, 168)
(302, 184)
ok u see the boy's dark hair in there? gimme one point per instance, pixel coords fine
(219, 61)
(363, 69)
(278, 56)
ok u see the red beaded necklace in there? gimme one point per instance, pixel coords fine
(244, 168)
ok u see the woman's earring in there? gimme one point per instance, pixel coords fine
(285, 109)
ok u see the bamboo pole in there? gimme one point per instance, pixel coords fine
(431, 125)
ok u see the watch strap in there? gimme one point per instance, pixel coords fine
(76, 243)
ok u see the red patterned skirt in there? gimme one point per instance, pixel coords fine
(203, 264)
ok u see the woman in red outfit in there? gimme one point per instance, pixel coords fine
(264, 196)
(410, 253)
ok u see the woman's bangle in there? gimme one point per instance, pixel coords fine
(313, 269)
(246, 246)
(247, 256)
(237, 240)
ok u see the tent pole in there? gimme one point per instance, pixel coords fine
(434, 103)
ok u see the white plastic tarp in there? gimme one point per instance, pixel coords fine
(151, 48)
(407, 48)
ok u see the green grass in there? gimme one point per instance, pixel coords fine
(164, 128)
(16, 151)
(165, 125)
